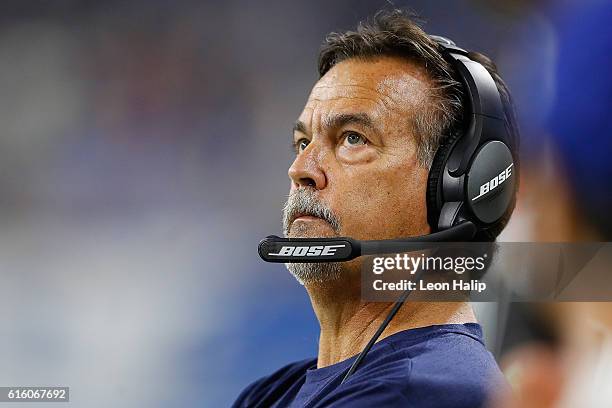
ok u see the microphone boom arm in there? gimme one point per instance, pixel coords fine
(342, 249)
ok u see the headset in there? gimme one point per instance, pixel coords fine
(471, 184)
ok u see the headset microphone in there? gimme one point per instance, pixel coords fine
(311, 250)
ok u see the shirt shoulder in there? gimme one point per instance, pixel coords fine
(455, 353)
(450, 367)
(271, 387)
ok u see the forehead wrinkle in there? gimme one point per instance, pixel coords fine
(399, 81)
(380, 98)
(392, 88)
(378, 91)
(376, 101)
(400, 95)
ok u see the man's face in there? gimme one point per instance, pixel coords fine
(356, 151)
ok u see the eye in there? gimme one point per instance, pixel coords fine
(354, 139)
(301, 145)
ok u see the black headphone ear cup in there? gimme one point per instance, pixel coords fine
(434, 180)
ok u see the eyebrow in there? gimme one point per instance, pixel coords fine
(299, 126)
(339, 120)
(342, 119)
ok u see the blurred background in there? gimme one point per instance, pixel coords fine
(144, 150)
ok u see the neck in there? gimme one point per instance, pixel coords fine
(347, 323)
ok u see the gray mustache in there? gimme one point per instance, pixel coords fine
(304, 201)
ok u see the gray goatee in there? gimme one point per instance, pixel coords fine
(304, 201)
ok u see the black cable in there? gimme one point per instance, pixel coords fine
(396, 307)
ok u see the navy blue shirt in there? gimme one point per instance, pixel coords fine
(435, 366)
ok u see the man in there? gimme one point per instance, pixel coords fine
(364, 144)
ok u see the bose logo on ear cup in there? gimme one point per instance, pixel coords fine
(494, 182)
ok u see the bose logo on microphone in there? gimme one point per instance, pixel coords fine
(494, 182)
(323, 250)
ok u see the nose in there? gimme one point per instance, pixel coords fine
(306, 170)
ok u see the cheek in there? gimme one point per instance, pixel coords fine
(382, 204)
